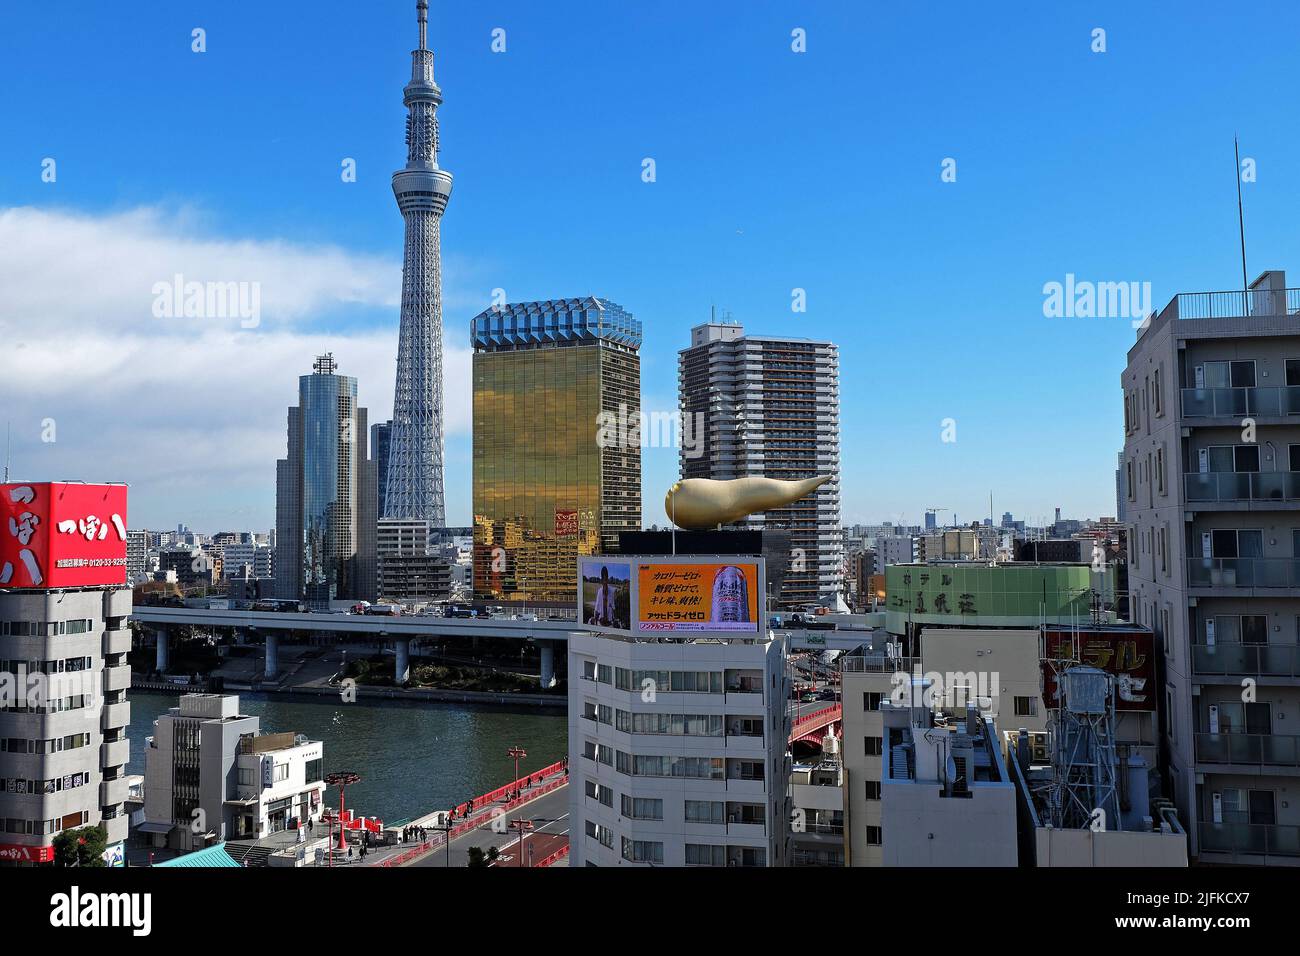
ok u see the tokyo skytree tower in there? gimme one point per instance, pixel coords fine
(414, 488)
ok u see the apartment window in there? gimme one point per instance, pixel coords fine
(312, 771)
(705, 854)
(1160, 470)
(873, 789)
(1227, 458)
(589, 670)
(704, 811)
(642, 851)
(871, 700)
(1236, 543)
(1172, 711)
(874, 836)
(1026, 707)
(872, 746)
(605, 674)
(642, 808)
(1156, 393)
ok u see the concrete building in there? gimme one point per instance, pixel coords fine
(817, 801)
(212, 776)
(1211, 459)
(410, 571)
(769, 406)
(137, 556)
(946, 796)
(678, 751)
(894, 549)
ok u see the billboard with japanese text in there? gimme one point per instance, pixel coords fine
(62, 535)
(605, 587)
(721, 597)
(1126, 653)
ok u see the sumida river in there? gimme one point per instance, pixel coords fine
(413, 757)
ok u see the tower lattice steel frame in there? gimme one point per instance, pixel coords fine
(415, 468)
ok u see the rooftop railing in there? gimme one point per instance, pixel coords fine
(1237, 304)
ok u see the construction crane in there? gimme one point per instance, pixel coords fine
(935, 511)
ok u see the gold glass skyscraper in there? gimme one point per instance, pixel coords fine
(557, 454)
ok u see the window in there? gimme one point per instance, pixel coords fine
(704, 811)
(281, 773)
(705, 854)
(873, 789)
(871, 700)
(1156, 393)
(642, 808)
(874, 836)
(872, 745)
(1026, 707)
(642, 851)
(313, 771)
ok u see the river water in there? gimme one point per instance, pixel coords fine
(413, 757)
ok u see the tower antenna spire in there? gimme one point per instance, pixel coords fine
(422, 8)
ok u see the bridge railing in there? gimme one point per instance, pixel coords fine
(818, 718)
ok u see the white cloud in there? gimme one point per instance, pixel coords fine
(191, 412)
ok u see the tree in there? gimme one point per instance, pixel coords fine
(476, 857)
(493, 853)
(83, 847)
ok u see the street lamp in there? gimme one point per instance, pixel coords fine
(519, 753)
(341, 779)
(521, 825)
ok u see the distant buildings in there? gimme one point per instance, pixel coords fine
(1211, 476)
(769, 406)
(324, 494)
(557, 442)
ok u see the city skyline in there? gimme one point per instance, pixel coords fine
(91, 245)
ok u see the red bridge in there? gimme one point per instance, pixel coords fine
(812, 728)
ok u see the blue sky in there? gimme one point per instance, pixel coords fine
(776, 170)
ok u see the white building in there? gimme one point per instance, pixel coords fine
(678, 752)
(211, 776)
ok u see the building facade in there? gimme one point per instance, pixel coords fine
(557, 449)
(321, 487)
(211, 775)
(1212, 482)
(769, 406)
(692, 774)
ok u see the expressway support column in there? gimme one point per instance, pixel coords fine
(548, 663)
(272, 655)
(161, 648)
(402, 659)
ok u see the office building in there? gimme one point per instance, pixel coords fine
(695, 776)
(410, 570)
(769, 406)
(415, 467)
(211, 775)
(557, 442)
(1211, 458)
(380, 436)
(64, 640)
(320, 491)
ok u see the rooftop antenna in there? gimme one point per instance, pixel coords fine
(422, 9)
(1241, 222)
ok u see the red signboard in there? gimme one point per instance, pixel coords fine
(1128, 654)
(566, 524)
(17, 853)
(62, 535)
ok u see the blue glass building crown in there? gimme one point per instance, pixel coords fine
(555, 322)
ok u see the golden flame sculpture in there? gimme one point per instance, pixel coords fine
(698, 504)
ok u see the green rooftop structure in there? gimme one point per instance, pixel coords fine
(977, 594)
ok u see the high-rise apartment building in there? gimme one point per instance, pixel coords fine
(557, 447)
(321, 488)
(769, 406)
(1212, 482)
(64, 637)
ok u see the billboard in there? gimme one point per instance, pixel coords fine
(62, 535)
(1126, 653)
(699, 597)
(605, 593)
(20, 853)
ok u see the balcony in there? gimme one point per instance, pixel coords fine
(117, 642)
(117, 678)
(1252, 838)
(1258, 660)
(1275, 401)
(1257, 750)
(1242, 486)
(113, 792)
(1243, 572)
(114, 753)
(116, 715)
